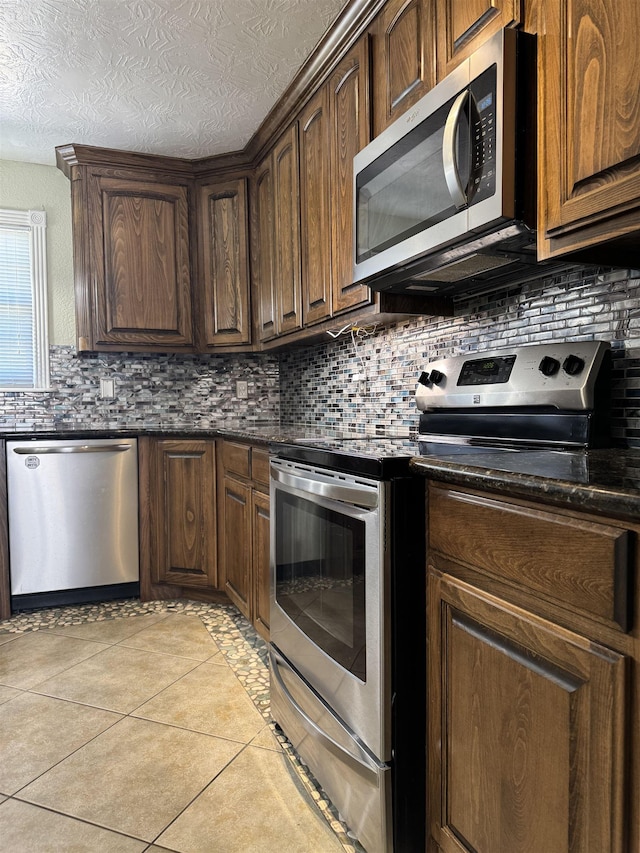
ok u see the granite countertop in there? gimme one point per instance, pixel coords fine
(603, 481)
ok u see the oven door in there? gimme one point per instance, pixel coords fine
(330, 606)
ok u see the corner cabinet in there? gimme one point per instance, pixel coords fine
(223, 282)
(243, 523)
(589, 140)
(132, 260)
(141, 283)
(533, 691)
(178, 542)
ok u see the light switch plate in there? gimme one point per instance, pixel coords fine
(107, 389)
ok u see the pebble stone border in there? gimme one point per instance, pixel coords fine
(244, 650)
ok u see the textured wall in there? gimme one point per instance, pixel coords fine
(317, 383)
(181, 391)
(25, 186)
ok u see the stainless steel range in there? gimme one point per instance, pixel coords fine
(552, 396)
(348, 630)
(348, 567)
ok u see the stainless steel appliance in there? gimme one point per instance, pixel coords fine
(73, 520)
(347, 632)
(551, 396)
(445, 197)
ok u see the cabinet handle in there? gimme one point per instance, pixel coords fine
(364, 765)
(73, 448)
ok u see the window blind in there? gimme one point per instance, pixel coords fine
(24, 347)
(16, 309)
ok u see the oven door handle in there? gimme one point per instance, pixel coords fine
(347, 494)
(362, 764)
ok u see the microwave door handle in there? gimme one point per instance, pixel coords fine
(449, 162)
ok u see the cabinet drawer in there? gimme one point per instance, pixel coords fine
(260, 467)
(236, 459)
(573, 562)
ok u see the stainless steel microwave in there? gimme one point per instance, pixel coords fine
(445, 197)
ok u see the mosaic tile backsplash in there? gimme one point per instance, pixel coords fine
(187, 391)
(318, 385)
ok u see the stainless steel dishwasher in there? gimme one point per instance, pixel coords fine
(73, 520)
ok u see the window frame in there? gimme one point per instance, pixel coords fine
(35, 222)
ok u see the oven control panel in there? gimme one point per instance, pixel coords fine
(561, 375)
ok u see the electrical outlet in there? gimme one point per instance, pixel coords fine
(107, 389)
(242, 390)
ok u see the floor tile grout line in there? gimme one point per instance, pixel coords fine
(79, 819)
(214, 616)
(200, 793)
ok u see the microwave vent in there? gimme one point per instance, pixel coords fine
(468, 267)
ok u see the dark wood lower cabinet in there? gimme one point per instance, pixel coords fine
(236, 542)
(528, 737)
(204, 523)
(178, 542)
(260, 506)
(243, 524)
(534, 704)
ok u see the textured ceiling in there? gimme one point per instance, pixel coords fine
(186, 78)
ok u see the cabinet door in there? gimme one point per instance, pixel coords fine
(140, 265)
(403, 57)
(263, 247)
(314, 209)
(527, 739)
(350, 131)
(287, 232)
(589, 181)
(185, 514)
(261, 569)
(224, 275)
(463, 25)
(236, 542)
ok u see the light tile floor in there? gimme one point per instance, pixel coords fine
(128, 727)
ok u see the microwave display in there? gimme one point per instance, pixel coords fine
(407, 190)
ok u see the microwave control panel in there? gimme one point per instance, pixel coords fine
(483, 130)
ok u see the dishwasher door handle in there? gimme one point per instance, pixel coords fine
(73, 448)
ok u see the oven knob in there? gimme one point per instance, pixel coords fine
(549, 366)
(573, 365)
(423, 379)
(436, 376)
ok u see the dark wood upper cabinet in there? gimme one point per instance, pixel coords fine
(589, 140)
(224, 256)
(263, 251)
(462, 26)
(314, 209)
(286, 194)
(138, 279)
(350, 126)
(403, 58)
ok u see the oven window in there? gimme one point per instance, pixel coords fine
(320, 562)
